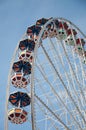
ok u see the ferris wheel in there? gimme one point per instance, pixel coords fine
(47, 79)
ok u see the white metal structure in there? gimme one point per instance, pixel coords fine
(57, 81)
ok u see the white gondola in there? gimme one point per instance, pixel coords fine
(62, 31)
(26, 56)
(19, 81)
(71, 37)
(79, 47)
(17, 115)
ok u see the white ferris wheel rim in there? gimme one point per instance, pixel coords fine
(32, 75)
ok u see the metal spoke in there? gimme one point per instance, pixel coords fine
(64, 85)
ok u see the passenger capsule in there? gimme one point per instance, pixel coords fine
(41, 22)
(17, 66)
(80, 41)
(79, 47)
(45, 34)
(33, 32)
(26, 68)
(62, 30)
(22, 66)
(84, 57)
(17, 116)
(19, 81)
(50, 29)
(19, 99)
(27, 44)
(26, 56)
(71, 37)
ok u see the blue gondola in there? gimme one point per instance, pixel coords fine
(41, 22)
(26, 68)
(22, 66)
(17, 66)
(56, 23)
(27, 44)
(19, 99)
(33, 30)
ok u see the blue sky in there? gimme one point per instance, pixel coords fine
(17, 15)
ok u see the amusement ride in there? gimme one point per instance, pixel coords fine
(46, 87)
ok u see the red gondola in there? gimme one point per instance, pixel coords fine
(80, 41)
(63, 25)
